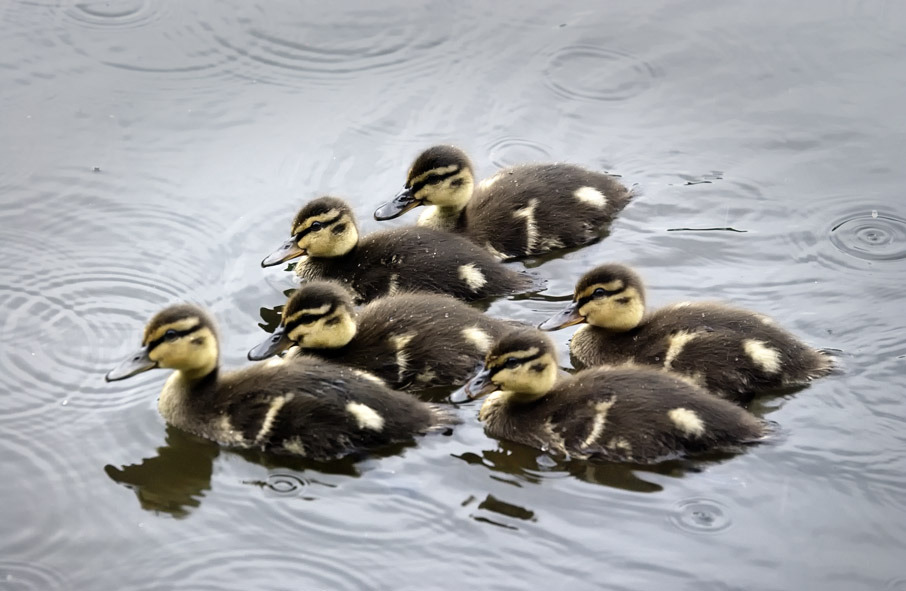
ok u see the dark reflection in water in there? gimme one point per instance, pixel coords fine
(154, 151)
(175, 479)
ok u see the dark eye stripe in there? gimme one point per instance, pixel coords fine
(434, 178)
(179, 334)
(307, 319)
(324, 224)
(522, 361)
(588, 298)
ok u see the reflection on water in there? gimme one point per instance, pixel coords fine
(155, 150)
(175, 479)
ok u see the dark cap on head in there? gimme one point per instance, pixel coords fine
(320, 206)
(315, 294)
(610, 274)
(521, 339)
(178, 312)
(439, 157)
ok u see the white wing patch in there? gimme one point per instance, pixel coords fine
(591, 196)
(473, 276)
(477, 337)
(677, 343)
(531, 226)
(365, 416)
(687, 421)
(270, 417)
(763, 356)
(597, 424)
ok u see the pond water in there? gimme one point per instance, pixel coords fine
(154, 151)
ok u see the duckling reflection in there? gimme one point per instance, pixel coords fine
(174, 480)
(518, 464)
(177, 478)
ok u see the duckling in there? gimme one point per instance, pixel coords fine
(309, 407)
(520, 211)
(410, 341)
(392, 261)
(628, 413)
(732, 352)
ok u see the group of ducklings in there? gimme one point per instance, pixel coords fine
(656, 385)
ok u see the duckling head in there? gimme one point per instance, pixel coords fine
(182, 337)
(319, 315)
(324, 227)
(522, 364)
(610, 297)
(441, 176)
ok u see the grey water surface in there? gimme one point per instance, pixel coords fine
(155, 150)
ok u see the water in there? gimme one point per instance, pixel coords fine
(155, 151)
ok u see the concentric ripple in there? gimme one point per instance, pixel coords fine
(25, 576)
(701, 516)
(307, 565)
(510, 151)
(122, 14)
(594, 73)
(42, 494)
(870, 236)
(77, 292)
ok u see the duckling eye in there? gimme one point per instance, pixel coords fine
(315, 226)
(511, 363)
(170, 334)
(599, 293)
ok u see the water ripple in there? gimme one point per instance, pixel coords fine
(870, 236)
(24, 576)
(43, 487)
(595, 73)
(701, 516)
(307, 565)
(510, 151)
(123, 14)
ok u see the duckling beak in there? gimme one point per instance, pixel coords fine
(132, 365)
(403, 202)
(287, 251)
(480, 385)
(274, 344)
(567, 317)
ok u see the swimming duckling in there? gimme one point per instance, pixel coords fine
(729, 351)
(309, 407)
(410, 341)
(520, 211)
(393, 261)
(632, 414)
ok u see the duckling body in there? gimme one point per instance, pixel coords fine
(520, 211)
(393, 261)
(308, 407)
(632, 414)
(732, 352)
(411, 341)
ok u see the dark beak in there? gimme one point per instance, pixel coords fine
(134, 364)
(287, 251)
(403, 202)
(480, 385)
(274, 344)
(567, 317)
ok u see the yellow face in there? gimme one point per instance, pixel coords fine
(522, 374)
(326, 327)
(612, 305)
(186, 343)
(446, 186)
(329, 234)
